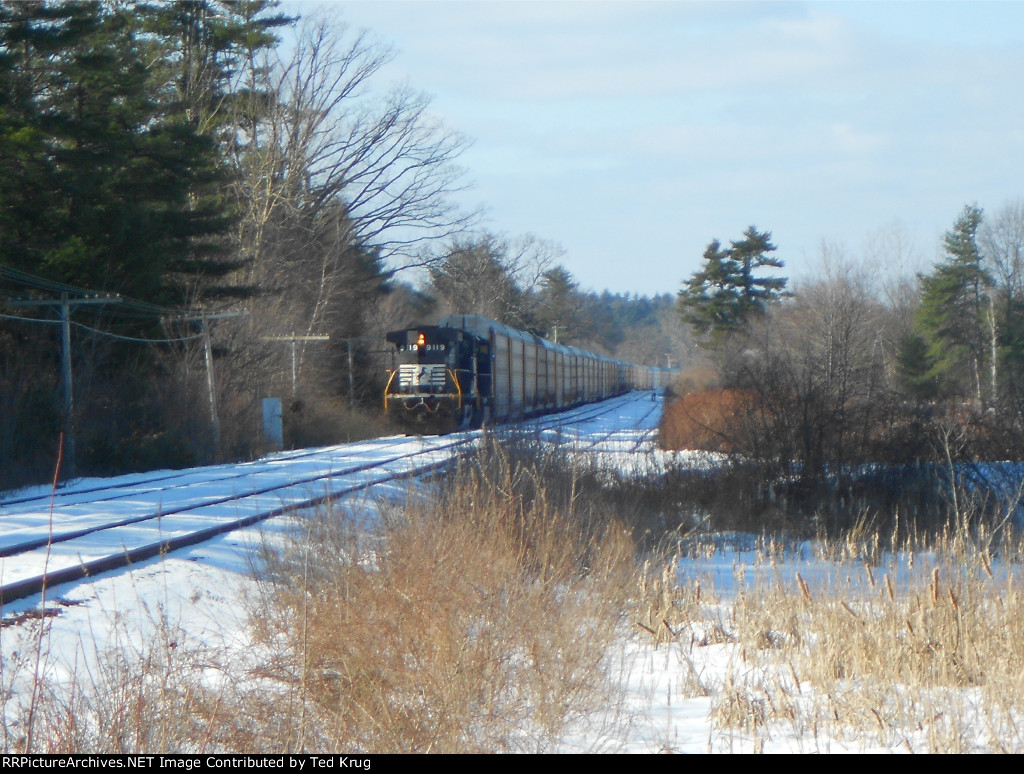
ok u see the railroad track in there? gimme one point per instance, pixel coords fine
(92, 490)
(628, 436)
(96, 527)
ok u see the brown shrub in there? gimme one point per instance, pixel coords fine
(707, 420)
(698, 377)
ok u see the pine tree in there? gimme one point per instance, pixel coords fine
(560, 305)
(750, 254)
(30, 36)
(112, 131)
(710, 303)
(203, 47)
(206, 45)
(916, 368)
(727, 292)
(951, 318)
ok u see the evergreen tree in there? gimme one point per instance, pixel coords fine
(710, 303)
(749, 255)
(560, 305)
(916, 368)
(727, 292)
(951, 318)
(97, 151)
(31, 34)
(207, 46)
(206, 76)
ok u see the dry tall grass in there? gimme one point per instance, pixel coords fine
(478, 619)
(919, 647)
(484, 613)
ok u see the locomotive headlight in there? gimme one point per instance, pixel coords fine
(421, 340)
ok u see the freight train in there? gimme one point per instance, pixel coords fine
(468, 371)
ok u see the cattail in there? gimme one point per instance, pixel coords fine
(985, 564)
(849, 610)
(803, 588)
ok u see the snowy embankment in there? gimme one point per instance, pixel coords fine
(755, 646)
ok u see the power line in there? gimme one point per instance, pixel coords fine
(72, 296)
(126, 303)
(125, 306)
(66, 303)
(135, 339)
(98, 332)
(41, 283)
(29, 319)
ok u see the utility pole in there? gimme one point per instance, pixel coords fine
(293, 339)
(211, 383)
(67, 388)
(348, 350)
(348, 354)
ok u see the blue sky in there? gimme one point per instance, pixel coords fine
(634, 133)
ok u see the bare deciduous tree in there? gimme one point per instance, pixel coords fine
(1002, 244)
(816, 367)
(339, 185)
(319, 135)
(1002, 241)
(492, 276)
(894, 259)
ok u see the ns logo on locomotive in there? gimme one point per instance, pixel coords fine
(469, 370)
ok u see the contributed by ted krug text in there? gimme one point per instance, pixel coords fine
(294, 763)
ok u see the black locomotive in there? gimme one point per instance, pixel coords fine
(469, 370)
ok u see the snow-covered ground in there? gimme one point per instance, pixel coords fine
(196, 593)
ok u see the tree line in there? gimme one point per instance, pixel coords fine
(519, 282)
(852, 368)
(263, 207)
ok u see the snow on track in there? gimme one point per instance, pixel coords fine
(98, 525)
(120, 524)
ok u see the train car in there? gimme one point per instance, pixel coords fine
(469, 370)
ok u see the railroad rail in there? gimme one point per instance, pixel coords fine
(93, 527)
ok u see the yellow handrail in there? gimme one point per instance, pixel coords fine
(386, 386)
(458, 389)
